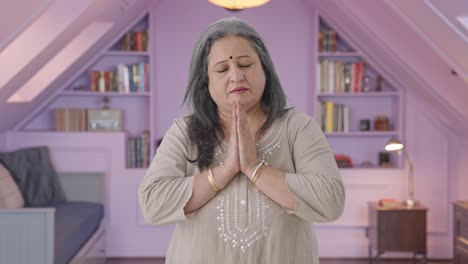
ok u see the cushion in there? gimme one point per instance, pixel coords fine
(35, 175)
(75, 223)
(10, 196)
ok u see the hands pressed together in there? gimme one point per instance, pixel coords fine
(242, 152)
(241, 157)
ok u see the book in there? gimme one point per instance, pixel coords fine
(389, 202)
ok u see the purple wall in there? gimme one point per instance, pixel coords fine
(179, 24)
(2, 142)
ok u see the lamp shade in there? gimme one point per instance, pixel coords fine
(238, 4)
(394, 145)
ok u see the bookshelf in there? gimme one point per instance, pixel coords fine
(120, 75)
(358, 110)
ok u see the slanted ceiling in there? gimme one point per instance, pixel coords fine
(29, 52)
(414, 43)
(403, 52)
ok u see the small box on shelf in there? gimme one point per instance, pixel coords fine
(105, 119)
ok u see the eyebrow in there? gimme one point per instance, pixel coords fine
(238, 57)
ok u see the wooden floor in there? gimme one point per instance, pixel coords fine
(322, 261)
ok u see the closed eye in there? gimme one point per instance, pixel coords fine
(245, 65)
(222, 70)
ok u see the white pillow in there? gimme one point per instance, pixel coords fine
(10, 196)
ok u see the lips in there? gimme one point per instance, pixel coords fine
(240, 90)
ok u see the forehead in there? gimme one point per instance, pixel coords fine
(233, 46)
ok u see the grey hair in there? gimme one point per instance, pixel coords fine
(204, 127)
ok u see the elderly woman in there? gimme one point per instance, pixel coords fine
(242, 177)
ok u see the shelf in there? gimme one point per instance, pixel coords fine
(338, 54)
(361, 94)
(126, 53)
(371, 168)
(87, 93)
(73, 133)
(137, 171)
(362, 134)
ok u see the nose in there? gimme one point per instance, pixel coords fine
(236, 75)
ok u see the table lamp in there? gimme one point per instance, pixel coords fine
(396, 145)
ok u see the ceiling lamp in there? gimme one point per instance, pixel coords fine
(238, 4)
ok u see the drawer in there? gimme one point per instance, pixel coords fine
(461, 214)
(461, 246)
(461, 226)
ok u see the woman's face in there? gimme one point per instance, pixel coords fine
(235, 73)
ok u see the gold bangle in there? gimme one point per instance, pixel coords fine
(258, 173)
(256, 169)
(212, 181)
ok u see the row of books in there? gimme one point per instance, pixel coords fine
(138, 151)
(134, 41)
(70, 119)
(340, 77)
(327, 41)
(332, 117)
(126, 78)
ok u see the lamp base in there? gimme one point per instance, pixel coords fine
(410, 203)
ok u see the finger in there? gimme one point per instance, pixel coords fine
(241, 119)
(245, 123)
(239, 123)
(245, 120)
(234, 121)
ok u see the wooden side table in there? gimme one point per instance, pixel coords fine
(460, 232)
(397, 228)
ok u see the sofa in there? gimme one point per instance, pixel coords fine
(38, 224)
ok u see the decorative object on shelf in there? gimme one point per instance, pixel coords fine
(396, 145)
(235, 5)
(381, 123)
(364, 124)
(366, 86)
(378, 84)
(366, 164)
(384, 160)
(343, 161)
(105, 102)
(80, 88)
(105, 119)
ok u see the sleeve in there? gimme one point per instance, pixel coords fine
(316, 184)
(166, 187)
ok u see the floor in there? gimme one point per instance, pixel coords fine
(322, 261)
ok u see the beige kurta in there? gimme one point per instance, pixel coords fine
(240, 224)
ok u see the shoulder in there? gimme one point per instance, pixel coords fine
(181, 122)
(297, 119)
(179, 127)
(297, 122)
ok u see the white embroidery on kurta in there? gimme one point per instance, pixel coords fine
(242, 209)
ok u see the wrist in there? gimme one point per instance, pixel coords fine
(228, 170)
(252, 168)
